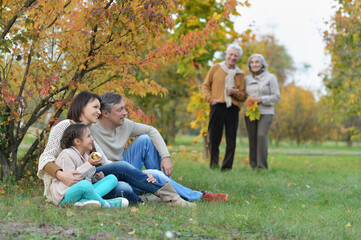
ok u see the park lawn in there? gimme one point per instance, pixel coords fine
(300, 197)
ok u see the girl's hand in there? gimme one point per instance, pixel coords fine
(150, 178)
(94, 162)
(99, 175)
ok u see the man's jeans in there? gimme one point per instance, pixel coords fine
(142, 152)
(127, 175)
(184, 192)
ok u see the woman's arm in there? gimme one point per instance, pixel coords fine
(274, 97)
(52, 150)
(70, 161)
(52, 168)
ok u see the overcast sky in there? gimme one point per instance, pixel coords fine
(296, 24)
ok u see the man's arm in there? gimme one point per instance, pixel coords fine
(166, 164)
(240, 94)
(207, 86)
(153, 133)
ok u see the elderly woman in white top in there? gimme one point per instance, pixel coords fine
(261, 86)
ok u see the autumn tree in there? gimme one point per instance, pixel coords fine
(343, 81)
(50, 50)
(194, 66)
(298, 117)
(168, 111)
(187, 72)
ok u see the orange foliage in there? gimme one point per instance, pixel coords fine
(50, 50)
(298, 117)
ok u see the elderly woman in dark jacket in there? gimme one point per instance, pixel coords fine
(261, 86)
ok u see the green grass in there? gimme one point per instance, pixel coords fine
(300, 197)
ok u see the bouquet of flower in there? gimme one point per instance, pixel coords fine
(252, 110)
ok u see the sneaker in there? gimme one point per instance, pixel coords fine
(117, 202)
(89, 204)
(215, 197)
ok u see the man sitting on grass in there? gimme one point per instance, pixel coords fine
(112, 132)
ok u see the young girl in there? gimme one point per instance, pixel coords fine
(76, 143)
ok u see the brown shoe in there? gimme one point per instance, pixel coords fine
(171, 198)
(215, 197)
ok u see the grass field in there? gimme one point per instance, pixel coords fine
(302, 196)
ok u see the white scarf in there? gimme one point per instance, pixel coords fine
(229, 81)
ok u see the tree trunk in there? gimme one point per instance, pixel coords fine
(5, 168)
(205, 147)
(349, 141)
(205, 139)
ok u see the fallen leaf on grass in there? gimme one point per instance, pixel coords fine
(348, 225)
(131, 232)
(253, 197)
(134, 209)
(69, 213)
(245, 160)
